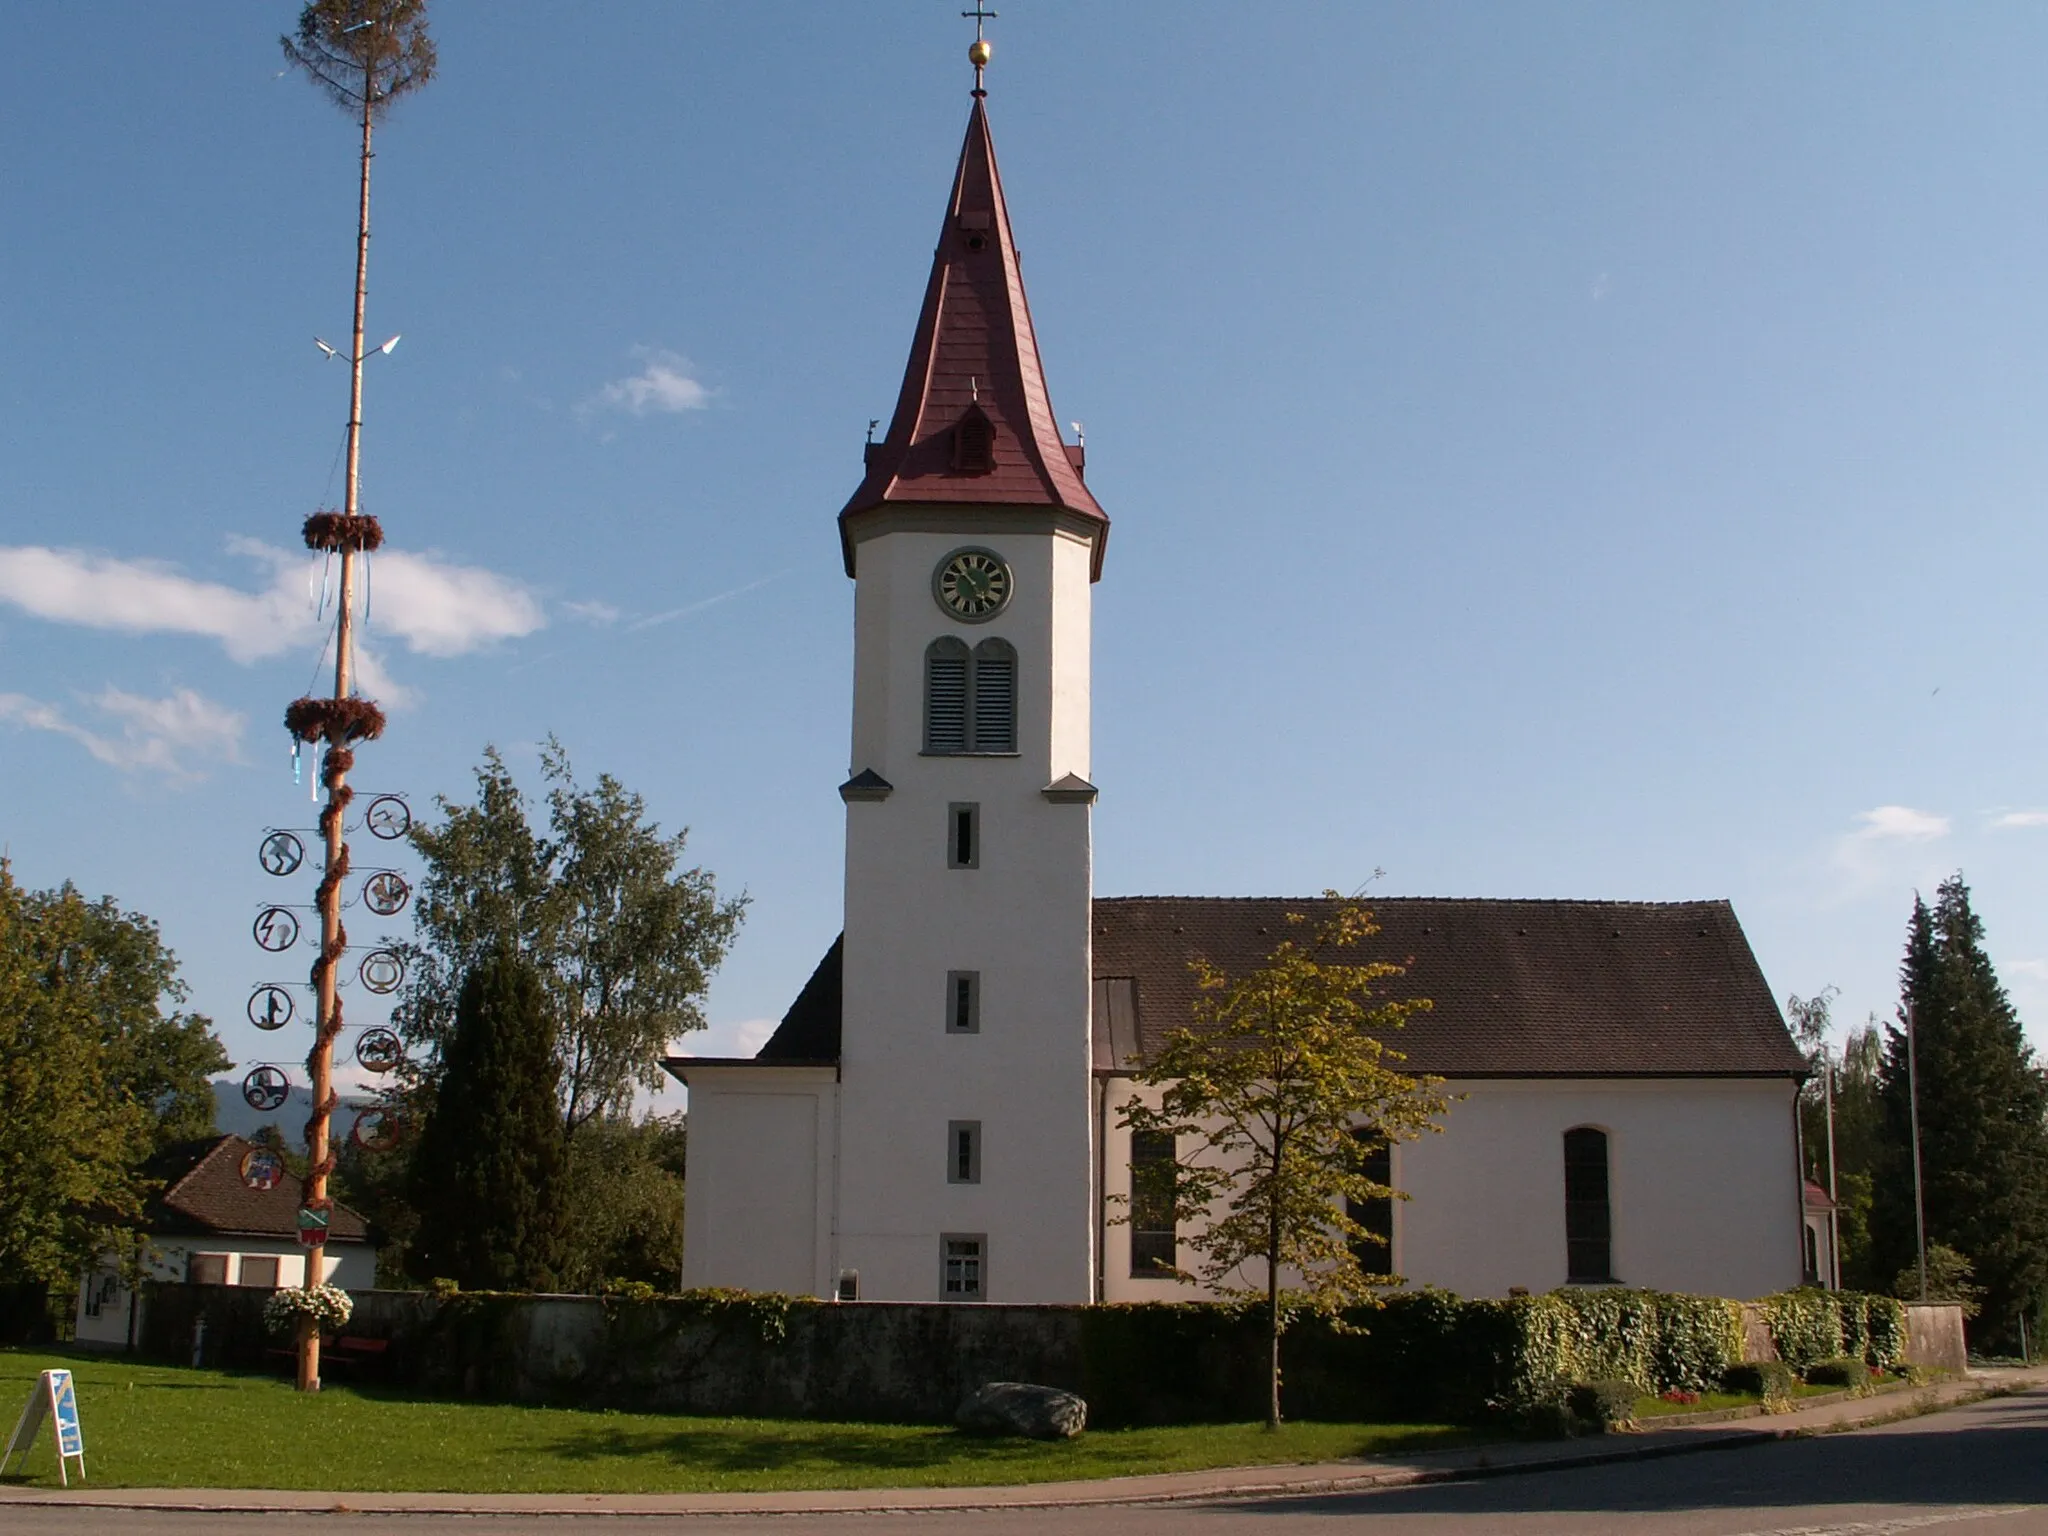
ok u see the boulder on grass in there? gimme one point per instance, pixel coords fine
(1018, 1408)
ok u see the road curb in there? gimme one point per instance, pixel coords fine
(1472, 1465)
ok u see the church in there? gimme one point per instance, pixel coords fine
(937, 1117)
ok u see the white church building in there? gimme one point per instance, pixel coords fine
(936, 1119)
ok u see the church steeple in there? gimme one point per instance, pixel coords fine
(974, 425)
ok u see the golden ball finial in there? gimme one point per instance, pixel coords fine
(979, 52)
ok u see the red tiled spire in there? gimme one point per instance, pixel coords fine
(974, 355)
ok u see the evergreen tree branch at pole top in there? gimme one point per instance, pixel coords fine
(364, 54)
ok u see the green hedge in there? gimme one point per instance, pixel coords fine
(1433, 1354)
(1809, 1326)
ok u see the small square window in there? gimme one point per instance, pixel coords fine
(207, 1269)
(258, 1272)
(963, 835)
(963, 1002)
(963, 1151)
(848, 1288)
(963, 1271)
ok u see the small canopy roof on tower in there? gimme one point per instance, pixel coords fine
(974, 425)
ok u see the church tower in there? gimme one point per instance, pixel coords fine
(965, 1154)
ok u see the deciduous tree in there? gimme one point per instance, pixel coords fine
(624, 936)
(1265, 1095)
(97, 1070)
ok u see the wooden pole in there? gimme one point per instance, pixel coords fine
(1834, 1209)
(334, 774)
(1913, 1110)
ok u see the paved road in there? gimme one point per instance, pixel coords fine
(1978, 1471)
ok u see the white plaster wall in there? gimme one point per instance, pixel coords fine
(1020, 919)
(761, 1143)
(352, 1266)
(1702, 1177)
(1702, 1189)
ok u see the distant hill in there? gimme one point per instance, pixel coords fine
(232, 1114)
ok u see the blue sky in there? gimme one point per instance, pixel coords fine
(1580, 450)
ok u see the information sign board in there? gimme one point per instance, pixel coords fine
(56, 1397)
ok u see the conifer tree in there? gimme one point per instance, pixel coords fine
(488, 1170)
(1983, 1120)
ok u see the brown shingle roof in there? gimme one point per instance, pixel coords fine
(1521, 988)
(206, 1197)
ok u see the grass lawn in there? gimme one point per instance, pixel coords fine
(151, 1426)
(1656, 1407)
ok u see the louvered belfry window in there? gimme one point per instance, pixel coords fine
(945, 696)
(974, 443)
(970, 699)
(995, 697)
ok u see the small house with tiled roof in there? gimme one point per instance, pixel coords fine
(227, 1215)
(937, 1118)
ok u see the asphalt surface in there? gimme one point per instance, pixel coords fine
(1975, 1471)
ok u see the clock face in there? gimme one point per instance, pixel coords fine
(972, 584)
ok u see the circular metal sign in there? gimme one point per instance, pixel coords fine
(388, 817)
(374, 1131)
(281, 853)
(276, 929)
(262, 1168)
(265, 1088)
(386, 893)
(271, 1007)
(379, 1049)
(382, 971)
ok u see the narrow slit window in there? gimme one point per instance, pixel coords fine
(963, 1266)
(1155, 1232)
(994, 713)
(963, 835)
(945, 695)
(963, 1151)
(963, 1002)
(1588, 1217)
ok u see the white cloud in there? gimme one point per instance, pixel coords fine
(2021, 819)
(436, 607)
(665, 383)
(593, 612)
(177, 735)
(1900, 823)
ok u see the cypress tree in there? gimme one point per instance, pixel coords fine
(1983, 1120)
(488, 1169)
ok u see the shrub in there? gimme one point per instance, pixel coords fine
(1772, 1380)
(1845, 1371)
(1885, 1327)
(1603, 1405)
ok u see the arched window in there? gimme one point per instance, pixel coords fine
(945, 696)
(970, 698)
(1588, 1221)
(1376, 1215)
(994, 704)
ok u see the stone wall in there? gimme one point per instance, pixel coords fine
(728, 1354)
(1934, 1335)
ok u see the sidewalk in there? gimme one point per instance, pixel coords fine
(1177, 1487)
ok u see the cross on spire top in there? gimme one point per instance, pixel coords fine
(979, 51)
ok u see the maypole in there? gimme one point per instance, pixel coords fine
(365, 54)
